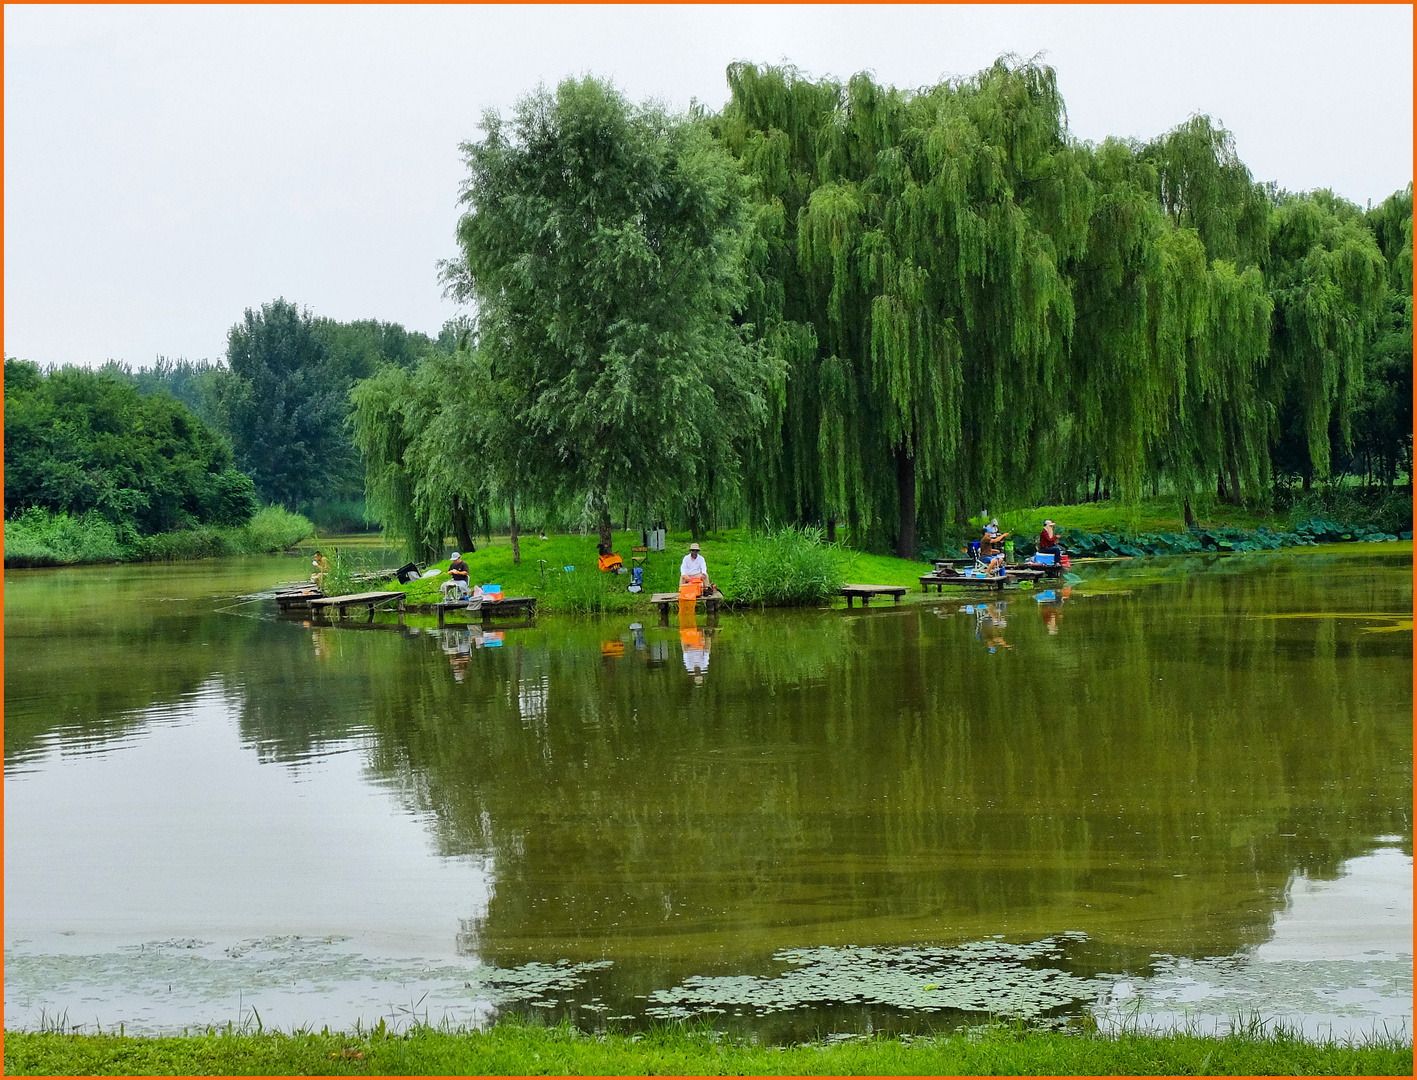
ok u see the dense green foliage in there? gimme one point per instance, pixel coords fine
(40, 538)
(282, 401)
(600, 246)
(940, 300)
(79, 442)
(525, 1049)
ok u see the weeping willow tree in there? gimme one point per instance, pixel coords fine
(422, 438)
(907, 274)
(1329, 283)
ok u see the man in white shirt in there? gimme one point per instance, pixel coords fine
(693, 566)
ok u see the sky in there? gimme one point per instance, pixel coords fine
(168, 167)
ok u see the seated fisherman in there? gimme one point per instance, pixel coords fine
(693, 567)
(459, 581)
(1048, 541)
(991, 548)
(608, 560)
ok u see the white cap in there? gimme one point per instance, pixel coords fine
(456, 555)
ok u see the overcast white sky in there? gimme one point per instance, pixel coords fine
(167, 167)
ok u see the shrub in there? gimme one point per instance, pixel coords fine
(40, 538)
(275, 529)
(789, 567)
(202, 542)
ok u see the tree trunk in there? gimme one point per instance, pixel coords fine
(1308, 480)
(626, 519)
(691, 507)
(1235, 497)
(831, 528)
(516, 543)
(905, 491)
(1220, 493)
(1097, 488)
(462, 532)
(605, 529)
(1189, 514)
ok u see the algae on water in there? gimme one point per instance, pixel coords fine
(1008, 979)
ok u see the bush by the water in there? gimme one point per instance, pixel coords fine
(41, 538)
(788, 567)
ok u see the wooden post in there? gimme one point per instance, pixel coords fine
(371, 614)
(439, 609)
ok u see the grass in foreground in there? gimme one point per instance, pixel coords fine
(517, 1049)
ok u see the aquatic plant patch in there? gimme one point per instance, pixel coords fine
(1018, 980)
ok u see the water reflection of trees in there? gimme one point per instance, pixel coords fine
(1153, 776)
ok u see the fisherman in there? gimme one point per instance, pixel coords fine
(693, 566)
(991, 548)
(1048, 541)
(459, 578)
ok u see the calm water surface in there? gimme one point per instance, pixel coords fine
(1180, 792)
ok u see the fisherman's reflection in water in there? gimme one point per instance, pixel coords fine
(695, 641)
(459, 644)
(989, 623)
(1050, 606)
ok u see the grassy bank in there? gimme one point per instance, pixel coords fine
(518, 1049)
(39, 538)
(561, 570)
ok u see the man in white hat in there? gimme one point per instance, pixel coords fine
(693, 566)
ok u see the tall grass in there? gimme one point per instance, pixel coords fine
(589, 592)
(40, 538)
(786, 568)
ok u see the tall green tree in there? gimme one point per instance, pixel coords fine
(1328, 279)
(917, 238)
(601, 247)
(283, 405)
(78, 440)
(1382, 420)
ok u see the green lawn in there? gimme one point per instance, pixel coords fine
(519, 1049)
(542, 572)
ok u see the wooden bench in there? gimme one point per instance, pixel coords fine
(664, 599)
(349, 600)
(489, 608)
(868, 592)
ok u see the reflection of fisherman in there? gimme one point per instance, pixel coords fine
(696, 650)
(989, 623)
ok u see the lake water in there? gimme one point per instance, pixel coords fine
(1179, 793)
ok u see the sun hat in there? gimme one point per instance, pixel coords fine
(694, 546)
(1049, 521)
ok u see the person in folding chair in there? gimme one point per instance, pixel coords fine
(991, 550)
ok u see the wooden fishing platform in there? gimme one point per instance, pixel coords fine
(663, 600)
(867, 593)
(341, 604)
(299, 596)
(1014, 575)
(507, 605)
